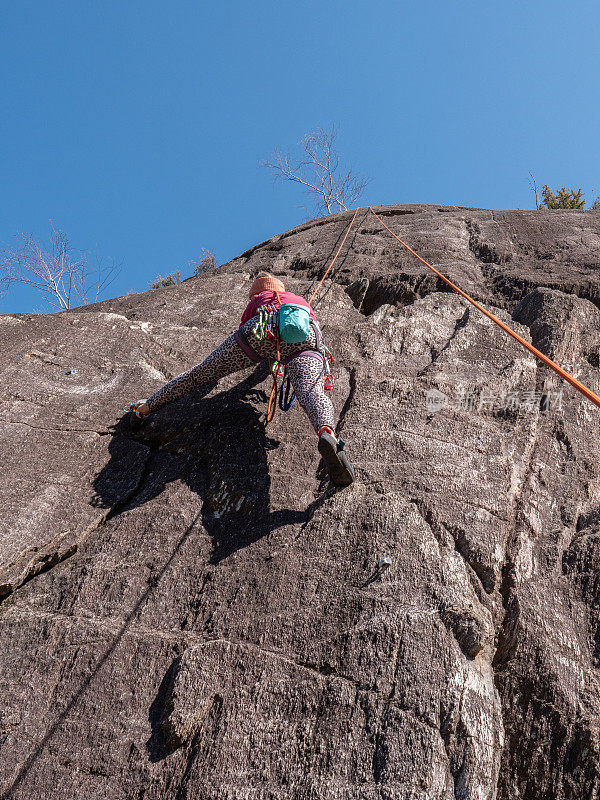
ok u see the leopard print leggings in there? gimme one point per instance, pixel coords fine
(306, 373)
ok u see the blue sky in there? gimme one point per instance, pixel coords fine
(138, 128)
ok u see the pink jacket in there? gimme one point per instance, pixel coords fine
(269, 298)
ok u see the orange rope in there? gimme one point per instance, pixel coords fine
(272, 405)
(334, 258)
(537, 353)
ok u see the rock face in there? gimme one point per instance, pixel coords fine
(189, 611)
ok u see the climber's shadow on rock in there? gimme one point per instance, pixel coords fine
(218, 446)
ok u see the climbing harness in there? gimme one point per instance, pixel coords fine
(290, 322)
(268, 326)
(591, 396)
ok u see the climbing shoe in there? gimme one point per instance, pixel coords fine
(341, 471)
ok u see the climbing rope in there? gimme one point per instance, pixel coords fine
(287, 396)
(261, 329)
(334, 258)
(267, 327)
(537, 353)
(275, 367)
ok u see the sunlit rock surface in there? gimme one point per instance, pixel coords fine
(188, 611)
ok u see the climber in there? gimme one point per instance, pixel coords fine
(305, 362)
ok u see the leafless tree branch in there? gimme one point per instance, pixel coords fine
(318, 171)
(63, 275)
(534, 188)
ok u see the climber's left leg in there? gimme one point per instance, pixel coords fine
(227, 358)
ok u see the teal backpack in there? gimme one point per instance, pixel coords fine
(294, 323)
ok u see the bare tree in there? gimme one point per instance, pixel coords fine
(318, 170)
(65, 277)
(534, 188)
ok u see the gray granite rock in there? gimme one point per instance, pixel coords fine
(189, 611)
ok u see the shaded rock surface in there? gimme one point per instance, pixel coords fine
(189, 611)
